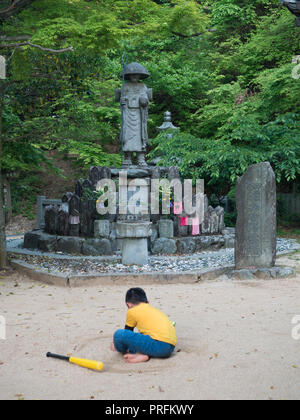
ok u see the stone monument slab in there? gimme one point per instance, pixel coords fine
(256, 221)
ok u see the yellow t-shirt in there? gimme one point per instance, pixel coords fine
(151, 321)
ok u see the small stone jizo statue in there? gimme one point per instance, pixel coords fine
(134, 98)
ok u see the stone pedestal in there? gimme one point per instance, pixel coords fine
(135, 251)
(134, 204)
(134, 241)
(166, 228)
(101, 228)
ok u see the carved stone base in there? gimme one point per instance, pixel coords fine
(262, 273)
(134, 241)
(135, 251)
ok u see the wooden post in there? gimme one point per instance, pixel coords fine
(3, 255)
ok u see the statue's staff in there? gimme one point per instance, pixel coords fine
(123, 63)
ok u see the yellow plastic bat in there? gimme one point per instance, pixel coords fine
(90, 364)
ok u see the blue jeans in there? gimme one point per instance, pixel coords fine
(129, 341)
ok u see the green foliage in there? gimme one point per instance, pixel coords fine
(24, 191)
(20, 152)
(186, 18)
(245, 142)
(231, 92)
(89, 154)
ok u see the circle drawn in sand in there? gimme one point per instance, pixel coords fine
(98, 348)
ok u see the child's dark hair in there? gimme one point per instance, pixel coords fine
(136, 295)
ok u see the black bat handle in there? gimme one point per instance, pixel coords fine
(57, 356)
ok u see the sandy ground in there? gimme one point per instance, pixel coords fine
(234, 341)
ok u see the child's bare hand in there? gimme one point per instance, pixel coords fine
(112, 346)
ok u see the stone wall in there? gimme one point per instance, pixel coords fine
(110, 245)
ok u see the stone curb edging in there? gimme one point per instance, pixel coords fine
(118, 278)
(34, 274)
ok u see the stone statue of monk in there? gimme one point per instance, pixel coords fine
(134, 99)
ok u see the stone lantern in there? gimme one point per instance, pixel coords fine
(294, 7)
(167, 124)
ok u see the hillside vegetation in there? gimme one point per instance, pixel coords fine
(223, 68)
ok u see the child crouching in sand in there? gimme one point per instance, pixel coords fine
(156, 337)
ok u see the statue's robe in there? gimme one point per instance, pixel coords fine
(135, 116)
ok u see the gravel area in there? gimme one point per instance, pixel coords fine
(183, 263)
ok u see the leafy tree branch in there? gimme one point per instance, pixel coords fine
(12, 8)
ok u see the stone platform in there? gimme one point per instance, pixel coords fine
(70, 270)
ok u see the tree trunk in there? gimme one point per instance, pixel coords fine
(7, 200)
(13, 8)
(3, 256)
